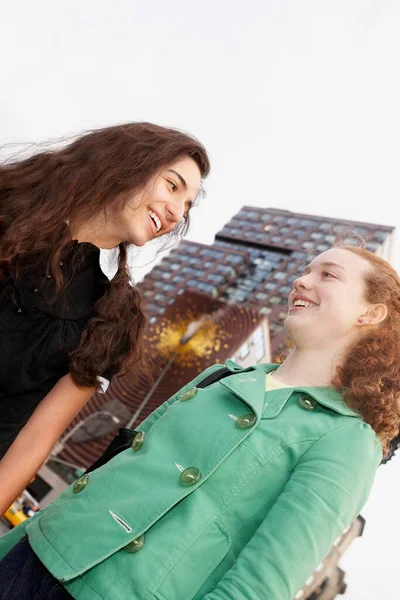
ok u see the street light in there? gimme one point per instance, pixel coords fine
(190, 331)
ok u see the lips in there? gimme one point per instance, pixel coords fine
(300, 301)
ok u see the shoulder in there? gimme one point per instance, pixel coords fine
(352, 444)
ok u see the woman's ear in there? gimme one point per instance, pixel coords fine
(374, 315)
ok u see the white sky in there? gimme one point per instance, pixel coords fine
(297, 102)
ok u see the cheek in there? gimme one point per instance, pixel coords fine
(159, 194)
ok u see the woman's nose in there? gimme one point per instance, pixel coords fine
(175, 210)
(301, 283)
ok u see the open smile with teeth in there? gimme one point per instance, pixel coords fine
(156, 221)
(303, 304)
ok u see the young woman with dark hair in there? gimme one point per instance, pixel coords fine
(64, 327)
(236, 491)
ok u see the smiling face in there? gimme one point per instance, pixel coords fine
(328, 301)
(162, 205)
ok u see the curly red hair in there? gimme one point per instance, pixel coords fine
(370, 376)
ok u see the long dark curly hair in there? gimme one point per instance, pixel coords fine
(370, 375)
(101, 169)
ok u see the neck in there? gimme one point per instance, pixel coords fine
(308, 367)
(98, 233)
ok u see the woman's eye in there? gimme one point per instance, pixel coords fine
(329, 274)
(173, 185)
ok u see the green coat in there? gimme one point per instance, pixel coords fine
(267, 492)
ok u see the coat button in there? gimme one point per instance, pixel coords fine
(135, 545)
(81, 483)
(188, 394)
(190, 476)
(307, 402)
(246, 421)
(138, 441)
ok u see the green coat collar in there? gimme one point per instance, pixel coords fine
(249, 385)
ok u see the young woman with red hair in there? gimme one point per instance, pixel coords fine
(237, 490)
(64, 327)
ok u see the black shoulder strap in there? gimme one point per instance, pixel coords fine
(216, 376)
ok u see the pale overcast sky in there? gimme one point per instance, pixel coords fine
(297, 102)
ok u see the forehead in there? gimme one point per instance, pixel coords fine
(188, 169)
(352, 263)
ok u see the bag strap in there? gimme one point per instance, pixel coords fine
(216, 376)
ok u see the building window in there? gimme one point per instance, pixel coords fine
(292, 265)
(270, 285)
(178, 279)
(244, 350)
(164, 286)
(274, 300)
(189, 248)
(234, 259)
(307, 245)
(259, 343)
(194, 272)
(239, 295)
(195, 261)
(322, 247)
(261, 296)
(298, 255)
(330, 238)
(285, 289)
(280, 275)
(325, 226)
(211, 253)
(174, 266)
(157, 309)
(372, 246)
(215, 278)
(381, 235)
(226, 270)
(265, 310)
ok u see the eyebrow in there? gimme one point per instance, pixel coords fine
(325, 264)
(183, 182)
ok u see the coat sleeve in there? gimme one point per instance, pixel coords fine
(324, 494)
(155, 415)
